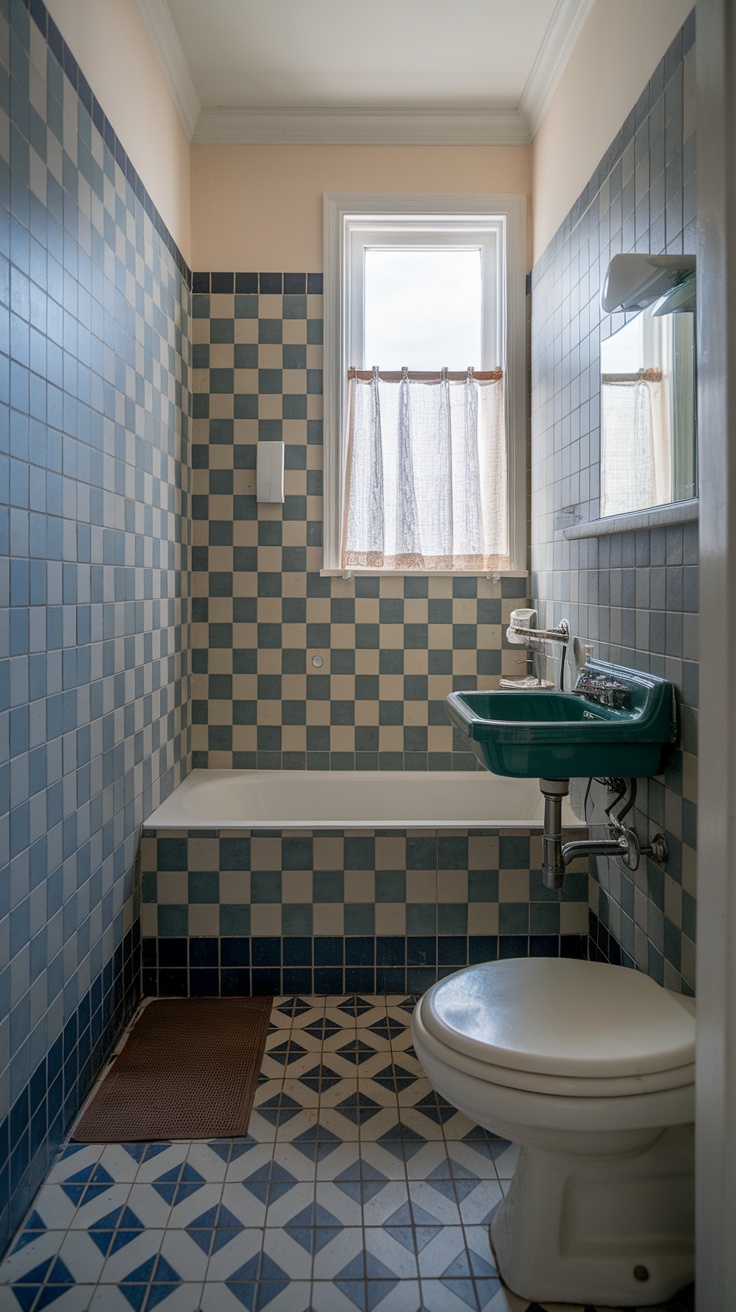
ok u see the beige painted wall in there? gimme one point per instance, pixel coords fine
(109, 41)
(259, 208)
(617, 51)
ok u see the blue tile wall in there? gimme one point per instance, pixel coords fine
(94, 583)
(633, 595)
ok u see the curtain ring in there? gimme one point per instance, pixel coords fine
(404, 373)
(443, 373)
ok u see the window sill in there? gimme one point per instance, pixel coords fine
(495, 574)
(679, 512)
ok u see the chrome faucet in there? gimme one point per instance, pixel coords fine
(598, 688)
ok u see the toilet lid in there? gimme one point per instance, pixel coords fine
(559, 1017)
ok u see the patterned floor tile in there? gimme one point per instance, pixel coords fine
(182, 1254)
(480, 1255)
(345, 1119)
(269, 1091)
(342, 1259)
(355, 1186)
(30, 1263)
(74, 1158)
(83, 1256)
(122, 1161)
(472, 1159)
(487, 1290)
(436, 1200)
(505, 1158)
(261, 1131)
(448, 1296)
(343, 1015)
(192, 1203)
(379, 1162)
(284, 1207)
(421, 1124)
(344, 1161)
(403, 1297)
(166, 1163)
(286, 1251)
(430, 1159)
(276, 1297)
(135, 1262)
(341, 1201)
(69, 1298)
(478, 1200)
(444, 1253)
(241, 1251)
(327, 1297)
(150, 1205)
(54, 1208)
(210, 1161)
(219, 1297)
(174, 1298)
(385, 1257)
(243, 1165)
(294, 1122)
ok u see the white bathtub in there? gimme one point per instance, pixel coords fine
(363, 799)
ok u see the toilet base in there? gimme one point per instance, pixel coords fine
(612, 1230)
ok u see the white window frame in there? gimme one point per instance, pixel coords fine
(499, 225)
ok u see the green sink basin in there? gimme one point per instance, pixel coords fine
(559, 735)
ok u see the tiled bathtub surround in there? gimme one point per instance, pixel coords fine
(93, 665)
(633, 595)
(392, 647)
(238, 912)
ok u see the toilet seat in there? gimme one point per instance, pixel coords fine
(548, 1025)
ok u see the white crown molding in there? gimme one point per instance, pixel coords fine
(564, 29)
(166, 44)
(374, 127)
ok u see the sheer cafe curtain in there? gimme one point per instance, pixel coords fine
(426, 474)
(636, 463)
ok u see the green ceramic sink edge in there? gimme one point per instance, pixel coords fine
(545, 734)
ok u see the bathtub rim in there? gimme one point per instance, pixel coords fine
(171, 814)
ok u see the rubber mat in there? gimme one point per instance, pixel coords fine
(188, 1070)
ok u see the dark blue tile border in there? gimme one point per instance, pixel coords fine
(40, 1118)
(265, 284)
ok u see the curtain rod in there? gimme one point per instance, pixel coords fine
(642, 376)
(417, 376)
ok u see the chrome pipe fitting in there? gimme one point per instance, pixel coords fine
(556, 856)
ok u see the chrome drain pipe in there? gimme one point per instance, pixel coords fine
(553, 861)
(556, 856)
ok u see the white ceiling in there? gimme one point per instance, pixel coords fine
(337, 71)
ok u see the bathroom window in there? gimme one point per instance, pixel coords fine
(424, 394)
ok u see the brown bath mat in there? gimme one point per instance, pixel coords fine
(189, 1070)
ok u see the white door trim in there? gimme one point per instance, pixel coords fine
(716, 957)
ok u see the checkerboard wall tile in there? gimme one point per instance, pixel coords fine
(392, 648)
(94, 532)
(252, 911)
(633, 595)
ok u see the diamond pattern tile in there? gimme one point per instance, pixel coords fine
(356, 1204)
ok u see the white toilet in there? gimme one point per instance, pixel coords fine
(590, 1068)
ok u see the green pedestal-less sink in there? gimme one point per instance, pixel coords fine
(616, 722)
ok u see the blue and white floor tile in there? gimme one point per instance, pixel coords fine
(356, 1187)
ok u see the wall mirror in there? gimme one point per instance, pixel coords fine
(648, 406)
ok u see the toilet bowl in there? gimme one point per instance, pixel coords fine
(590, 1068)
